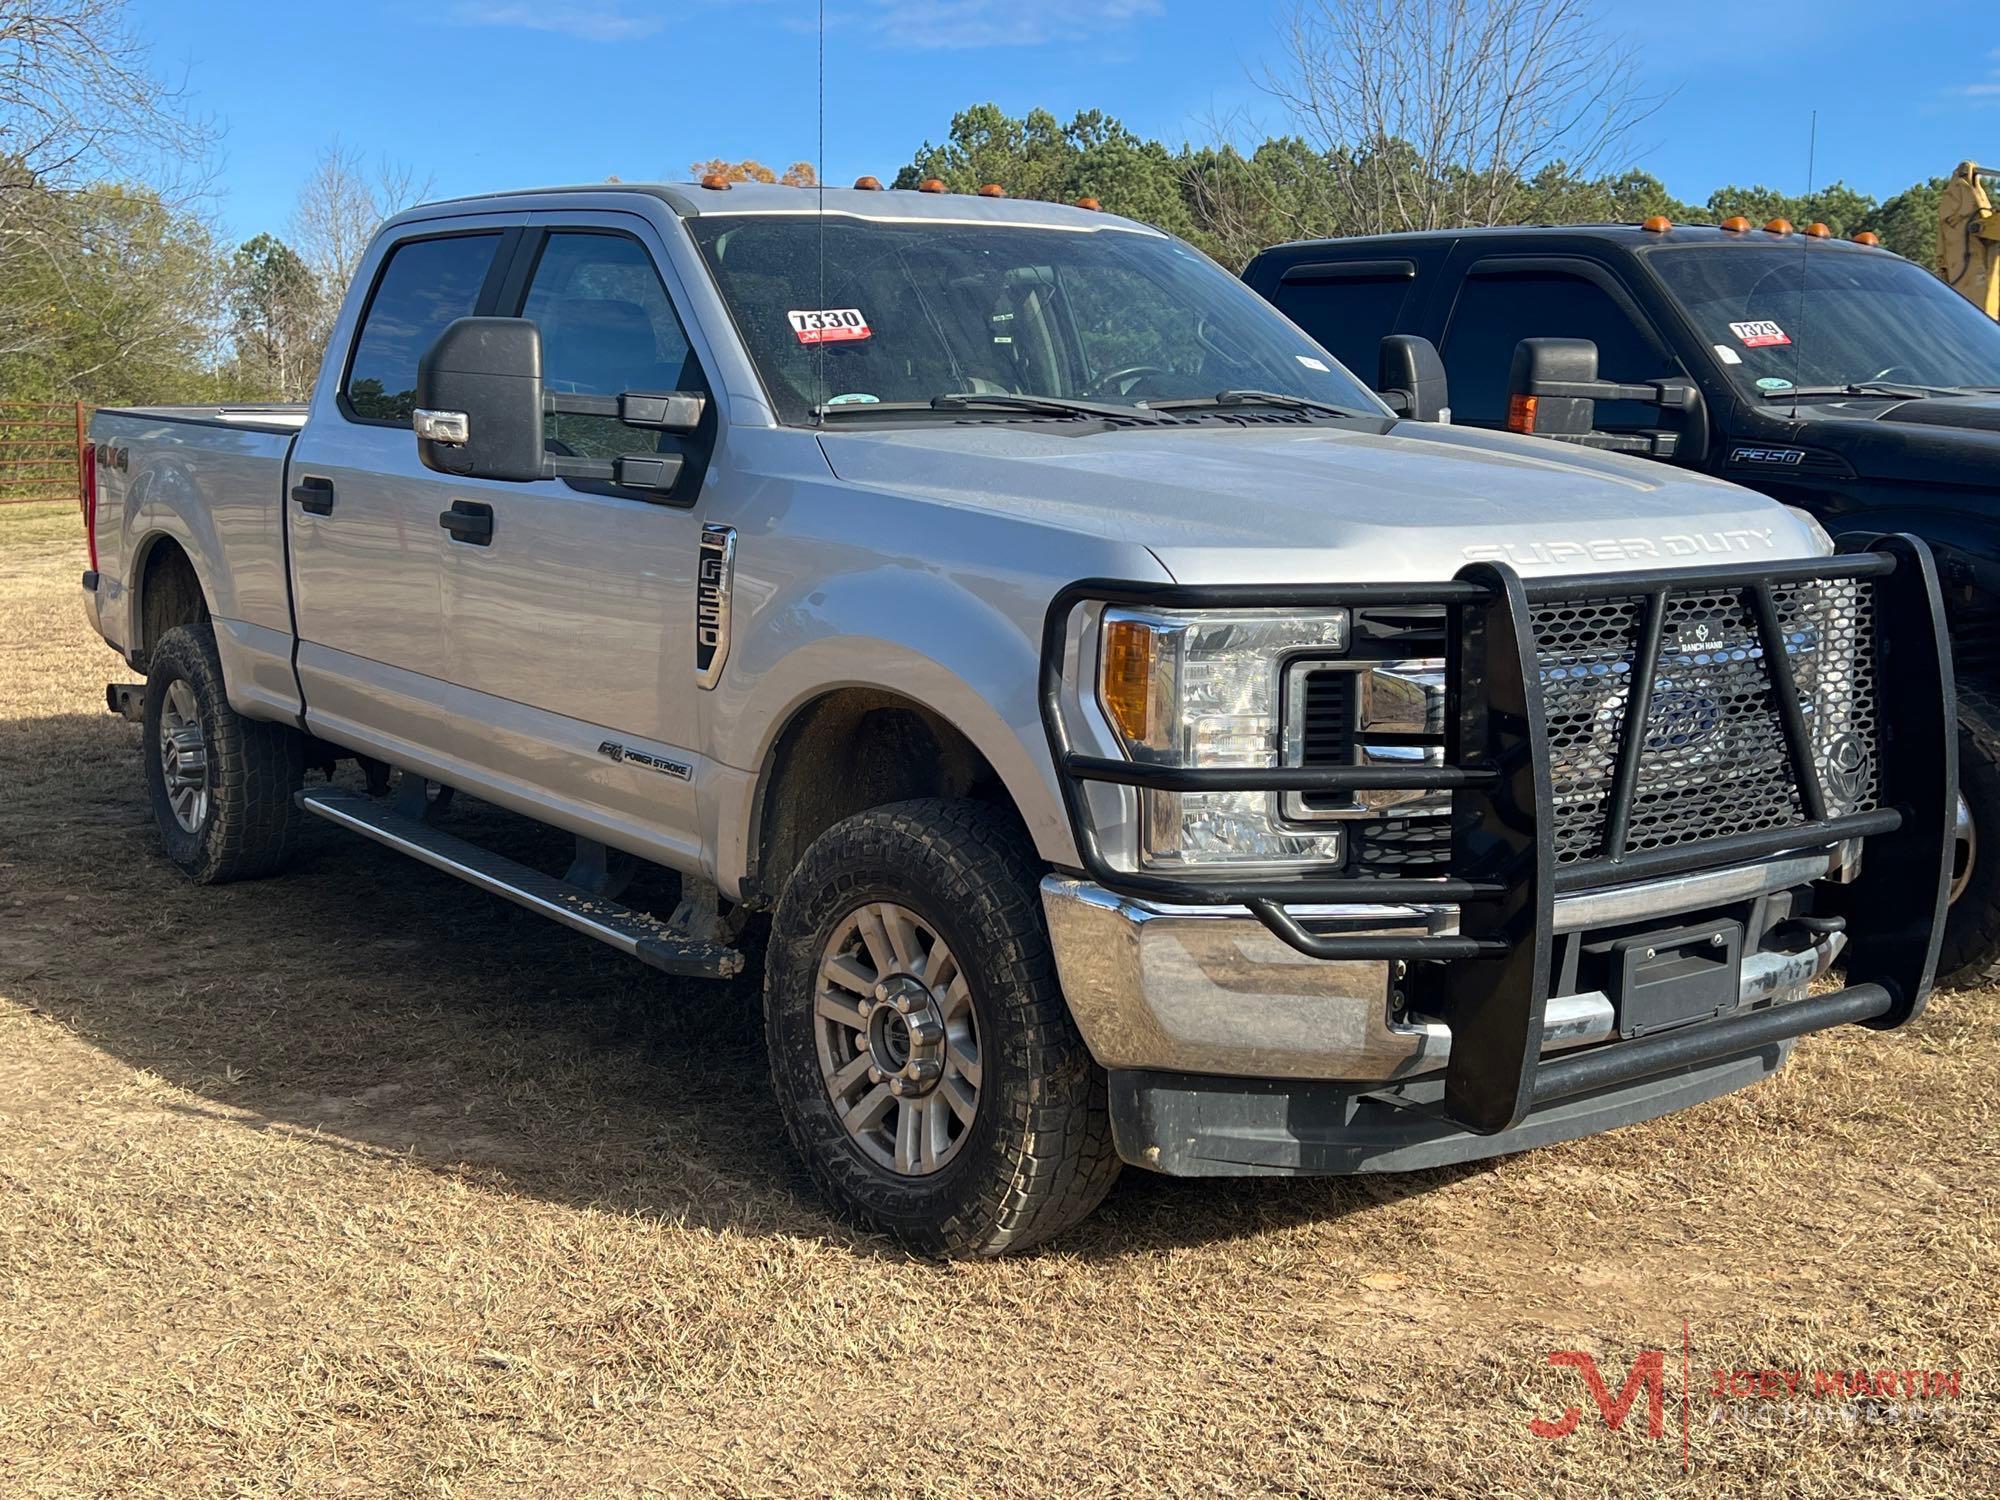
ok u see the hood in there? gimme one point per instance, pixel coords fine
(1973, 413)
(1226, 504)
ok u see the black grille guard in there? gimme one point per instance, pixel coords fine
(1503, 873)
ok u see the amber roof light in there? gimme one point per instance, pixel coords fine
(931, 185)
(1090, 203)
(1818, 231)
(1868, 237)
(868, 184)
(1736, 223)
(1657, 224)
(716, 182)
(992, 190)
(1778, 226)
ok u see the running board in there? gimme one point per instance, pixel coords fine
(645, 937)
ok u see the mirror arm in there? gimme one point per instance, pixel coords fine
(635, 471)
(1668, 394)
(669, 411)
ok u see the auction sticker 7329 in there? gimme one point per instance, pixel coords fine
(1759, 335)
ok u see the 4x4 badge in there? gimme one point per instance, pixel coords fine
(715, 574)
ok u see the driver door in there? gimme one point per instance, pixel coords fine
(571, 626)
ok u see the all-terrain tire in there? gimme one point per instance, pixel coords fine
(1037, 1155)
(1969, 957)
(250, 825)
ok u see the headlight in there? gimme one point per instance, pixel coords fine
(1200, 689)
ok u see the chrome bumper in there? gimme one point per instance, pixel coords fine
(1209, 989)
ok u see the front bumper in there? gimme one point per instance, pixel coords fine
(1210, 990)
(1455, 986)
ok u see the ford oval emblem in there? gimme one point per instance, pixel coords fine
(1681, 721)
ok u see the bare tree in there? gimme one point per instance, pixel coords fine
(80, 107)
(339, 209)
(1437, 113)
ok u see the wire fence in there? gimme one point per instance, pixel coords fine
(41, 447)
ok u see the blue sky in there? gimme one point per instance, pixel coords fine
(486, 94)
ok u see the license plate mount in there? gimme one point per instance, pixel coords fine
(1662, 980)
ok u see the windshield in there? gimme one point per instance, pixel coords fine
(1815, 316)
(916, 310)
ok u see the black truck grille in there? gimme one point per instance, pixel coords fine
(1714, 760)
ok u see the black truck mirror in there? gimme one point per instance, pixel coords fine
(1552, 388)
(479, 400)
(1553, 391)
(1410, 378)
(481, 405)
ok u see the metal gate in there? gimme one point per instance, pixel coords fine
(41, 444)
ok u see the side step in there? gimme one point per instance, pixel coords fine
(645, 937)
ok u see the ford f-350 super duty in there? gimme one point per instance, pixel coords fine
(1146, 745)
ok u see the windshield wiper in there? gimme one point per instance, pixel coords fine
(955, 401)
(1858, 388)
(1223, 399)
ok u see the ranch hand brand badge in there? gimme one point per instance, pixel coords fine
(832, 325)
(1760, 335)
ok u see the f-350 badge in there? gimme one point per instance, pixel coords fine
(715, 575)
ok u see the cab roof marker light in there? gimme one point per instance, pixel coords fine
(868, 184)
(1657, 224)
(1735, 224)
(715, 182)
(1818, 231)
(992, 190)
(1867, 237)
(1091, 204)
(1778, 226)
(931, 185)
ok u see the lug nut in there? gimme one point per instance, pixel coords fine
(897, 1086)
(874, 1074)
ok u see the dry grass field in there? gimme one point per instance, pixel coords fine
(360, 1183)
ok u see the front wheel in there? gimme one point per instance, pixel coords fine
(1969, 957)
(924, 1060)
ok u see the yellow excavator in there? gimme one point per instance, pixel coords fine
(1968, 253)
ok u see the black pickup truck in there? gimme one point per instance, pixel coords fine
(1833, 376)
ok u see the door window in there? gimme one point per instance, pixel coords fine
(1496, 311)
(425, 286)
(607, 328)
(1348, 316)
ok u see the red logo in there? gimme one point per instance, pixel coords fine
(1649, 1374)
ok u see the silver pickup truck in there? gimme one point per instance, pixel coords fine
(1147, 746)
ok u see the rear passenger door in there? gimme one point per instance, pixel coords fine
(571, 629)
(1504, 299)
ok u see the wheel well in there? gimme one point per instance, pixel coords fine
(169, 595)
(847, 752)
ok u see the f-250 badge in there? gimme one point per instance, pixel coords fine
(715, 574)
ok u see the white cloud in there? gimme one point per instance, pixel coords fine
(586, 20)
(937, 25)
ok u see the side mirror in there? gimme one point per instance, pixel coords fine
(1410, 377)
(479, 400)
(481, 404)
(1552, 388)
(1553, 391)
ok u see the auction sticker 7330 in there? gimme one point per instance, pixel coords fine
(831, 325)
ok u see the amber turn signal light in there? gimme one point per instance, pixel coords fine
(1130, 653)
(1520, 413)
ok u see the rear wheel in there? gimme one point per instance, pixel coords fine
(925, 1062)
(221, 784)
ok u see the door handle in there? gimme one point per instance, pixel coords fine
(315, 495)
(469, 521)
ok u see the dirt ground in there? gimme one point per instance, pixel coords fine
(360, 1183)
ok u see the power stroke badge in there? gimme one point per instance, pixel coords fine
(715, 574)
(625, 755)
